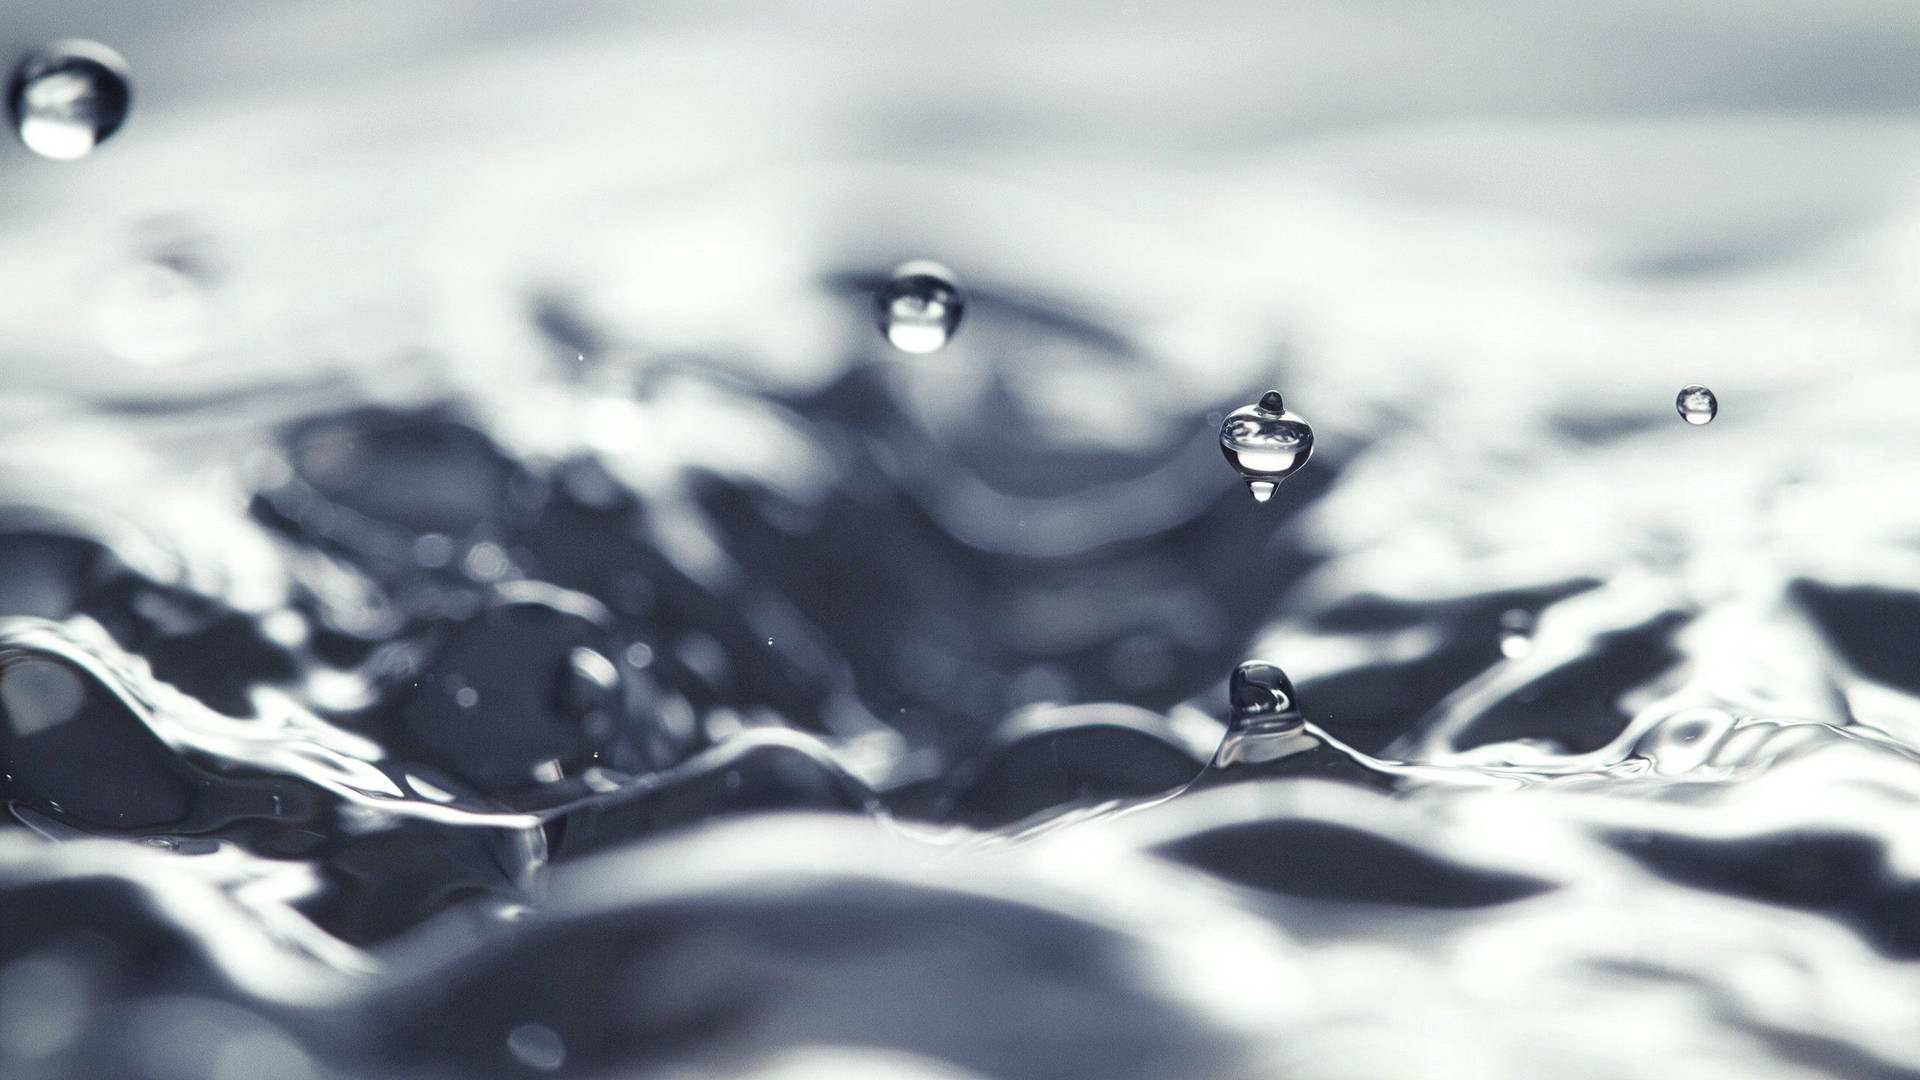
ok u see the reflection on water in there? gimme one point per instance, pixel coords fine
(598, 652)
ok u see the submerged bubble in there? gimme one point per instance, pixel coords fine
(1696, 404)
(1266, 444)
(68, 98)
(919, 307)
(1261, 693)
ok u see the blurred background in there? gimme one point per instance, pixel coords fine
(479, 595)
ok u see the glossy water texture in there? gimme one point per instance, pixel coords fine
(532, 667)
(1696, 404)
(68, 98)
(1265, 444)
(919, 306)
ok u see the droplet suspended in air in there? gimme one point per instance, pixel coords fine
(68, 98)
(537, 1046)
(1696, 404)
(919, 307)
(1516, 633)
(1261, 694)
(1266, 444)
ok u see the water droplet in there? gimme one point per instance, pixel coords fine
(1516, 633)
(1266, 444)
(68, 98)
(919, 307)
(1696, 404)
(1261, 693)
(537, 1046)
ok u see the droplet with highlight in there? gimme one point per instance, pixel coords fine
(68, 98)
(1696, 404)
(1266, 444)
(919, 307)
(1516, 633)
(1261, 694)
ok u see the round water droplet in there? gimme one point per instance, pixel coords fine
(1266, 444)
(1696, 404)
(919, 307)
(1261, 693)
(68, 98)
(1516, 633)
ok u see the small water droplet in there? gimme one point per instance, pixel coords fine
(68, 98)
(1516, 633)
(919, 307)
(1696, 404)
(1266, 444)
(537, 1046)
(588, 682)
(1261, 693)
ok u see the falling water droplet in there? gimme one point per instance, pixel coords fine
(68, 98)
(1266, 444)
(1696, 404)
(1261, 694)
(1516, 633)
(919, 307)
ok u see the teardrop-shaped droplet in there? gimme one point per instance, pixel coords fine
(1261, 693)
(1266, 444)
(1696, 404)
(68, 98)
(919, 307)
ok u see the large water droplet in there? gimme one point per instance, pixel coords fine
(68, 98)
(919, 307)
(1696, 404)
(1266, 444)
(1261, 693)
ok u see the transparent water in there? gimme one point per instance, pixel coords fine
(66, 99)
(582, 646)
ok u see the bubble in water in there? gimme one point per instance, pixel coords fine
(68, 98)
(919, 307)
(1261, 693)
(1696, 404)
(1266, 443)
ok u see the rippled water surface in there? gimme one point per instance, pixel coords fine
(583, 645)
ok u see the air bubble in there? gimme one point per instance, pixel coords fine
(68, 98)
(1266, 444)
(1696, 404)
(919, 307)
